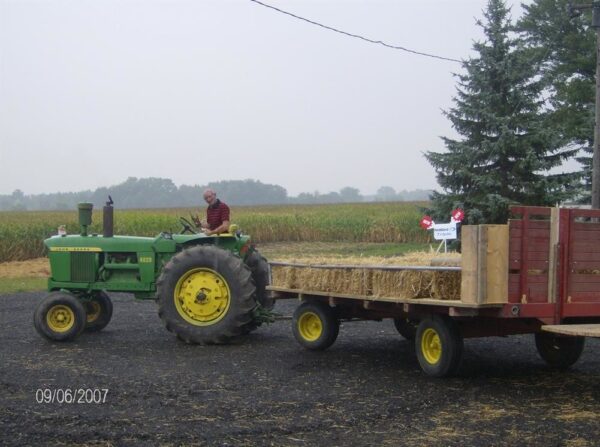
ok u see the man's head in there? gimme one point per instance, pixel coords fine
(210, 196)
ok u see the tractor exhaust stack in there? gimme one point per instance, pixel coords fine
(108, 220)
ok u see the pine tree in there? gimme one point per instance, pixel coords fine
(566, 50)
(505, 151)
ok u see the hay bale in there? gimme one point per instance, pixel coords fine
(369, 281)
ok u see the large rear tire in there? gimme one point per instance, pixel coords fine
(206, 295)
(262, 278)
(60, 316)
(560, 352)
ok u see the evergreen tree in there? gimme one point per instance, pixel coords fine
(505, 151)
(566, 50)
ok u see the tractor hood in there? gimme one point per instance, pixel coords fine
(95, 243)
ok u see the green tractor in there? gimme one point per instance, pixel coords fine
(209, 289)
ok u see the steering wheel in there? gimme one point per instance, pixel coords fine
(187, 226)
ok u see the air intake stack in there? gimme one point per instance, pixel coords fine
(85, 216)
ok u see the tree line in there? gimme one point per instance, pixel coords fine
(163, 193)
(524, 105)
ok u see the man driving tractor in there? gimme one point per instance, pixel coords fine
(217, 215)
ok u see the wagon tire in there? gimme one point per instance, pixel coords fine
(439, 346)
(315, 326)
(206, 295)
(560, 352)
(60, 316)
(406, 327)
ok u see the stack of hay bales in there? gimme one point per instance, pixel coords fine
(361, 276)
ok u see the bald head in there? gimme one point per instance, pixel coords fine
(210, 196)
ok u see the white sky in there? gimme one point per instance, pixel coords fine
(92, 92)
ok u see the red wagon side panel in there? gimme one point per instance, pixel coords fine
(529, 255)
(580, 235)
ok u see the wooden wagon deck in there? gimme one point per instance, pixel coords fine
(284, 293)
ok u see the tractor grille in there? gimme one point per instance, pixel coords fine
(83, 267)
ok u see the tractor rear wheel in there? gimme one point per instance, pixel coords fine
(206, 295)
(559, 352)
(60, 316)
(99, 310)
(260, 274)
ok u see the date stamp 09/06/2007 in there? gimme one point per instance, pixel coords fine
(71, 395)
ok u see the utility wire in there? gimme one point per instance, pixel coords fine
(379, 42)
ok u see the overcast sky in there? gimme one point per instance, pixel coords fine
(93, 92)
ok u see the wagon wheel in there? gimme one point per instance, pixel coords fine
(560, 352)
(439, 346)
(315, 325)
(406, 327)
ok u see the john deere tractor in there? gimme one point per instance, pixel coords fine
(209, 289)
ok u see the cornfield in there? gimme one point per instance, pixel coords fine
(22, 233)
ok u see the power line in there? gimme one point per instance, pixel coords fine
(379, 42)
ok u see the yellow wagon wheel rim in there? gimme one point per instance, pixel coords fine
(431, 346)
(93, 310)
(60, 318)
(310, 326)
(202, 297)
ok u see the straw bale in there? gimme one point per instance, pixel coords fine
(405, 284)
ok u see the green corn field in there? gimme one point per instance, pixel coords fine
(22, 233)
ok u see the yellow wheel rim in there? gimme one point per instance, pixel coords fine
(310, 326)
(202, 297)
(431, 346)
(93, 311)
(60, 318)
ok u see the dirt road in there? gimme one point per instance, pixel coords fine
(365, 390)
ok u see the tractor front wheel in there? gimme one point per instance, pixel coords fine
(60, 316)
(315, 326)
(206, 295)
(99, 310)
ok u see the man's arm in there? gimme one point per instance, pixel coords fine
(223, 228)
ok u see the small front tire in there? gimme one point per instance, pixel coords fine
(60, 316)
(315, 326)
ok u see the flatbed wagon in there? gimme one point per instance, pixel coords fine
(539, 274)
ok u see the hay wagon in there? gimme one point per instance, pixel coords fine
(538, 274)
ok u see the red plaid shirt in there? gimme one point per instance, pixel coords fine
(216, 214)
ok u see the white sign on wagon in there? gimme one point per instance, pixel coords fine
(444, 231)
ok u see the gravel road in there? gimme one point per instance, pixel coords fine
(367, 389)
